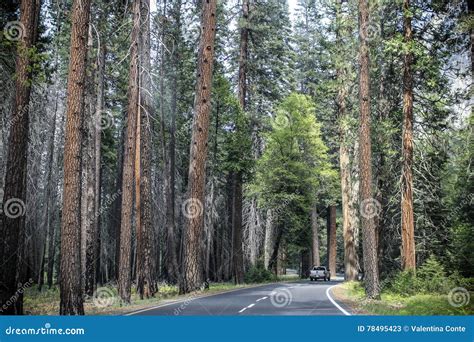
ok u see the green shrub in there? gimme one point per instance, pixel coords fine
(258, 274)
(430, 278)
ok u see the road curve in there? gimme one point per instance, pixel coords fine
(295, 298)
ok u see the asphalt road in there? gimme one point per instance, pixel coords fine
(295, 298)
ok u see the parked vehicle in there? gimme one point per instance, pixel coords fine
(319, 272)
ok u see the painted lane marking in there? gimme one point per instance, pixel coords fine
(251, 305)
(242, 310)
(258, 300)
(197, 297)
(334, 302)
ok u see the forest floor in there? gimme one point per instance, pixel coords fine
(352, 294)
(107, 301)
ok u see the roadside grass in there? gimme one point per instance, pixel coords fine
(107, 301)
(352, 294)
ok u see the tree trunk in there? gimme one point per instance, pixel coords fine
(171, 248)
(272, 264)
(305, 266)
(125, 265)
(238, 258)
(116, 217)
(198, 152)
(12, 222)
(268, 244)
(145, 267)
(408, 225)
(371, 276)
(89, 236)
(99, 108)
(350, 253)
(331, 236)
(315, 237)
(49, 203)
(237, 253)
(71, 270)
(354, 201)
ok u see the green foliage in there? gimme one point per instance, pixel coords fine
(431, 278)
(295, 159)
(235, 126)
(394, 304)
(293, 167)
(258, 274)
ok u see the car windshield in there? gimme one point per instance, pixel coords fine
(319, 269)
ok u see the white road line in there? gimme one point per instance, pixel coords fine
(334, 302)
(273, 293)
(251, 305)
(258, 300)
(189, 298)
(242, 310)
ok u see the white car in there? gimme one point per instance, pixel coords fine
(319, 272)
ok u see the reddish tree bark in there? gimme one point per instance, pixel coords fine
(408, 224)
(192, 258)
(125, 257)
(369, 245)
(71, 268)
(12, 222)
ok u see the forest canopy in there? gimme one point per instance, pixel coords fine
(146, 144)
